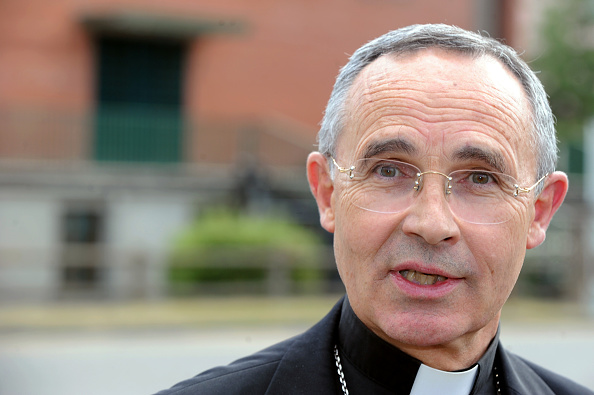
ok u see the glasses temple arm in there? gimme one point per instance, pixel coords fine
(520, 189)
(349, 170)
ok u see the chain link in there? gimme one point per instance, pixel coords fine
(340, 372)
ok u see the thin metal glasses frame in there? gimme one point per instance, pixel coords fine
(518, 189)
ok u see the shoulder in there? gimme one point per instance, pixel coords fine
(298, 365)
(559, 384)
(524, 377)
(249, 375)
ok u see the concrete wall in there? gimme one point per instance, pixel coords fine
(140, 232)
(139, 229)
(29, 245)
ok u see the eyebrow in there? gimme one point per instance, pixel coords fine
(490, 158)
(396, 145)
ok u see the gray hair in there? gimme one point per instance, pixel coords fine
(417, 37)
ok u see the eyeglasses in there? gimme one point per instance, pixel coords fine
(476, 196)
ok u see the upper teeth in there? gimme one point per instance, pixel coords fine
(421, 278)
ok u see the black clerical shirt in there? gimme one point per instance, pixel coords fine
(373, 366)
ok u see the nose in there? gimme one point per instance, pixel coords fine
(429, 216)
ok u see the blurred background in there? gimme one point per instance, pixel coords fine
(155, 217)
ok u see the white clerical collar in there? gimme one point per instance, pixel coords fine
(431, 381)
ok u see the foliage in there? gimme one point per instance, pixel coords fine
(568, 65)
(223, 246)
(225, 228)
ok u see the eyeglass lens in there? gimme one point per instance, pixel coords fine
(477, 196)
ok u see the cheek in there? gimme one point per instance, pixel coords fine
(358, 240)
(353, 225)
(499, 251)
(509, 239)
(363, 232)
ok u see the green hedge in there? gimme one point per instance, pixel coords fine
(223, 246)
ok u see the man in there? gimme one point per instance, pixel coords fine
(435, 173)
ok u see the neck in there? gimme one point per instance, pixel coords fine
(371, 362)
(458, 354)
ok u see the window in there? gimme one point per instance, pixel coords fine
(82, 251)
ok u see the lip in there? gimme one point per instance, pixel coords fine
(418, 291)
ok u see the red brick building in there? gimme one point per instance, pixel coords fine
(234, 66)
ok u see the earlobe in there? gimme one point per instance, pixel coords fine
(546, 205)
(321, 187)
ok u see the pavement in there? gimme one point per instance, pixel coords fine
(144, 346)
(202, 312)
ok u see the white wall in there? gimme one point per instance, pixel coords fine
(139, 228)
(29, 245)
(139, 233)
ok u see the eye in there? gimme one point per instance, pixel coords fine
(387, 171)
(480, 178)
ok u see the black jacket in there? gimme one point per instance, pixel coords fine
(304, 365)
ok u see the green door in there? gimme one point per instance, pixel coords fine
(139, 115)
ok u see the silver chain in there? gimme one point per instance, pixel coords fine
(345, 390)
(496, 379)
(340, 372)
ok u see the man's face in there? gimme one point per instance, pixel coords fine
(436, 104)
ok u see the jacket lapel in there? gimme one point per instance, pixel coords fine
(308, 365)
(518, 377)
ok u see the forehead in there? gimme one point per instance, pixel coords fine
(437, 102)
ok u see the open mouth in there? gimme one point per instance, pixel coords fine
(421, 278)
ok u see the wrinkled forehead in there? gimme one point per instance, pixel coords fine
(439, 94)
(479, 68)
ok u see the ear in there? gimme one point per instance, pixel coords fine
(322, 188)
(546, 205)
